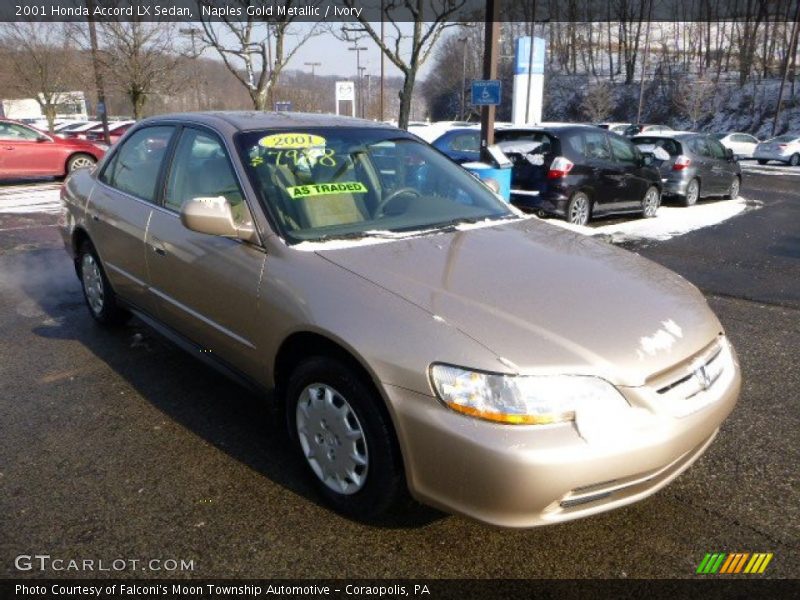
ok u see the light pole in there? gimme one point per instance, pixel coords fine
(358, 50)
(98, 74)
(193, 32)
(312, 65)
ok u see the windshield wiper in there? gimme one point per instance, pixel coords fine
(453, 223)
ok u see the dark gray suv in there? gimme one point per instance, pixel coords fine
(693, 165)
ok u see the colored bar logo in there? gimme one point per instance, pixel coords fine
(735, 563)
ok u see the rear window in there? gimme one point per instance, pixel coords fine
(670, 146)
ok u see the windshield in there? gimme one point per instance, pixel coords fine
(323, 183)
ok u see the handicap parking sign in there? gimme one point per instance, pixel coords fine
(486, 92)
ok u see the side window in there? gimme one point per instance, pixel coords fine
(465, 142)
(202, 169)
(134, 168)
(12, 131)
(623, 150)
(717, 150)
(596, 146)
(698, 146)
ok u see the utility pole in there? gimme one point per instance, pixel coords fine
(490, 56)
(644, 63)
(98, 73)
(464, 41)
(361, 88)
(193, 32)
(383, 57)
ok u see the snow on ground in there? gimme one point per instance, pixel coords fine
(770, 169)
(33, 198)
(670, 221)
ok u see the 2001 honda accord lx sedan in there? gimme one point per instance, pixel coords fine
(425, 336)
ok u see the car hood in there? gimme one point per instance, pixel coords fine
(544, 299)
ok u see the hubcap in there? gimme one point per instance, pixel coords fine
(795, 160)
(651, 203)
(81, 162)
(92, 283)
(734, 188)
(332, 439)
(692, 192)
(579, 212)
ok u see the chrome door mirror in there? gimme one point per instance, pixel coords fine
(213, 216)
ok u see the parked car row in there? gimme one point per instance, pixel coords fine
(577, 172)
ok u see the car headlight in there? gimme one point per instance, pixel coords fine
(523, 399)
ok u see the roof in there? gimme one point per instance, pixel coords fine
(248, 120)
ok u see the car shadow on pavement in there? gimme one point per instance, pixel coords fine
(244, 425)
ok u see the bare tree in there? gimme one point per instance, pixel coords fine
(256, 50)
(598, 102)
(693, 98)
(40, 58)
(409, 50)
(140, 59)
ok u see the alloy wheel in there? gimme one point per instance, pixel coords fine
(81, 162)
(650, 203)
(579, 210)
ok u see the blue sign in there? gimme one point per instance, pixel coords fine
(522, 57)
(486, 92)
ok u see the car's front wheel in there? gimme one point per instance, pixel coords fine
(345, 438)
(692, 193)
(650, 202)
(579, 209)
(794, 160)
(761, 161)
(80, 161)
(100, 298)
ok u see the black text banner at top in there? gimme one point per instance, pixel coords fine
(393, 10)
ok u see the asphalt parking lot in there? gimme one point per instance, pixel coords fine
(119, 445)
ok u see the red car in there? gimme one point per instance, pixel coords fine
(28, 152)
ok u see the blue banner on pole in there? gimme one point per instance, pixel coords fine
(522, 56)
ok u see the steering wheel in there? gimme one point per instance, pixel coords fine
(398, 192)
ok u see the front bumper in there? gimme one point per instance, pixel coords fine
(525, 476)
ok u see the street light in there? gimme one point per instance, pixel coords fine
(312, 65)
(358, 50)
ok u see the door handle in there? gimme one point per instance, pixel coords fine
(158, 247)
(8, 147)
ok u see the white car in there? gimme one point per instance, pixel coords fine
(742, 144)
(785, 148)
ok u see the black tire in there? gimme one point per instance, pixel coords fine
(733, 191)
(761, 161)
(80, 161)
(794, 160)
(104, 309)
(384, 487)
(579, 209)
(650, 206)
(692, 193)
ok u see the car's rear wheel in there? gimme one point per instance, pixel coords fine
(733, 191)
(80, 161)
(651, 202)
(345, 438)
(761, 161)
(692, 193)
(579, 209)
(794, 160)
(100, 298)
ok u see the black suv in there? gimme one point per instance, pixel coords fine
(577, 172)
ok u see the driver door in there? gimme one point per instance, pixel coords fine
(207, 286)
(24, 154)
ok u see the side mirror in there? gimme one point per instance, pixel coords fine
(42, 138)
(213, 216)
(729, 154)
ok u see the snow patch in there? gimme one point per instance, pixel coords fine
(670, 221)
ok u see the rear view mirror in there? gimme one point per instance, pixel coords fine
(213, 216)
(42, 138)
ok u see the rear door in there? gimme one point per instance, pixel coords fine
(120, 208)
(634, 182)
(207, 286)
(704, 164)
(607, 177)
(723, 167)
